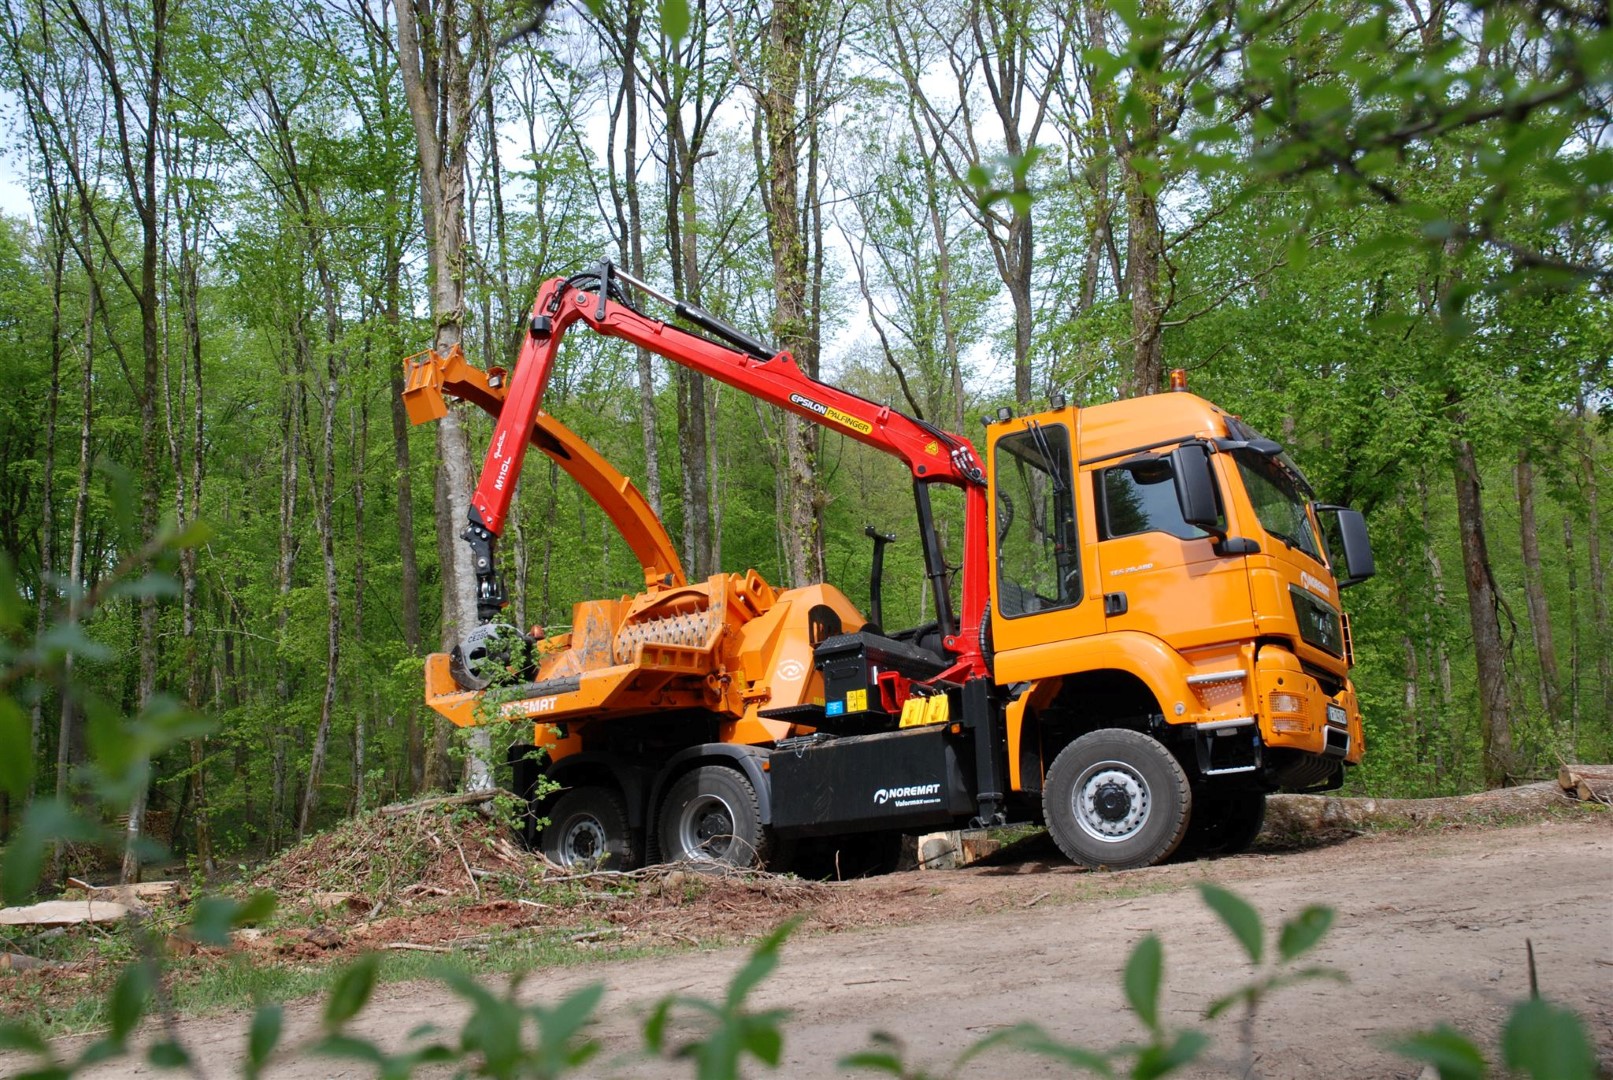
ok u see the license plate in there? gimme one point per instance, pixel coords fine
(1337, 715)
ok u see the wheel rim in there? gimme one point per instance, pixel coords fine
(582, 841)
(706, 829)
(1111, 801)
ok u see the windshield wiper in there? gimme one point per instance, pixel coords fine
(1052, 464)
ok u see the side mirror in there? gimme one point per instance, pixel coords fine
(1348, 545)
(1195, 487)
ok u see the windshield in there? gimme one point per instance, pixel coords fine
(1278, 501)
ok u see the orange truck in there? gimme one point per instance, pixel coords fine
(1148, 640)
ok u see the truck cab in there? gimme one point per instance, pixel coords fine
(1160, 570)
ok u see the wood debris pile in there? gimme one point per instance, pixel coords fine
(435, 848)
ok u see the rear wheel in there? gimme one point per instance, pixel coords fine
(1224, 824)
(711, 815)
(1116, 799)
(588, 827)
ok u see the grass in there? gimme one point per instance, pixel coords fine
(205, 984)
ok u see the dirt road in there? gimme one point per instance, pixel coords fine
(1430, 927)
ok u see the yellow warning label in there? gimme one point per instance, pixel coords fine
(847, 420)
(921, 711)
(932, 448)
(856, 701)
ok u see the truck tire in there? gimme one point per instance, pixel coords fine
(711, 815)
(1116, 799)
(588, 827)
(1224, 823)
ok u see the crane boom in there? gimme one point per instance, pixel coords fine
(930, 454)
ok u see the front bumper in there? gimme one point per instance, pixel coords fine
(1296, 713)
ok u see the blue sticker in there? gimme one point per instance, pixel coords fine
(834, 708)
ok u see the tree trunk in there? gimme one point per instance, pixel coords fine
(409, 566)
(1593, 551)
(1144, 255)
(48, 590)
(189, 577)
(781, 80)
(630, 230)
(1572, 686)
(67, 732)
(1484, 608)
(290, 461)
(1534, 587)
(436, 58)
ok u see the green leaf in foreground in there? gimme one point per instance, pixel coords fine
(1448, 1051)
(216, 916)
(43, 822)
(21, 1037)
(16, 754)
(1031, 1039)
(763, 959)
(168, 1055)
(1547, 1042)
(1301, 933)
(675, 19)
(1165, 1058)
(267, 1024)
(1145, 969)
(352, 991)
(1239, 917)
(130, 996)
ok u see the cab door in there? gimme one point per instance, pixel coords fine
(1160, 575)
(1044, 589)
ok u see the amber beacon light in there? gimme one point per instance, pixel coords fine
(1178, 379)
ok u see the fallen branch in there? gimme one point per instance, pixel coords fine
(466, 864)
(10, 961)
(463, 799)
(409, 946)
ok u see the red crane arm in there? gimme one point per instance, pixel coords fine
(932, 455)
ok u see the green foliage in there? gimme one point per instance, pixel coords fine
(1540, 1040)
(1547, 1042)
(1448, 1051)
(733, 1031)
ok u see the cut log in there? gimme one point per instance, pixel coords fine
(64, 913)
(126, 894)
(1297, 815)
(1587, 783)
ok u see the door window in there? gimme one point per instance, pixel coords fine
(1140, 497)
(1038, 550)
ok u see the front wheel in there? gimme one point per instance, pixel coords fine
(1116, 799)
(711, 815)
(588, 827)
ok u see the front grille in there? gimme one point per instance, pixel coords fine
(1319, 622)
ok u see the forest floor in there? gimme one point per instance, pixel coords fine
(1431, 927)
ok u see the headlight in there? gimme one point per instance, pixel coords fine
(1283, 702)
